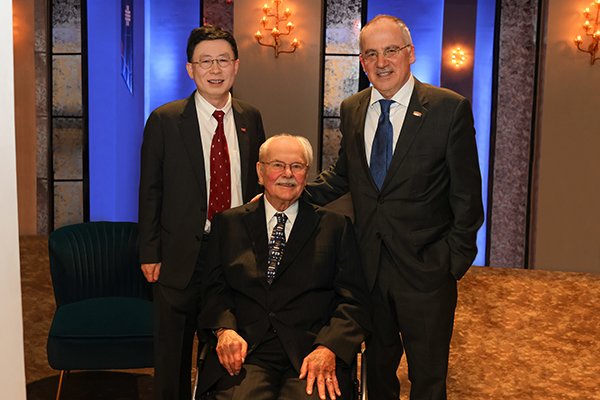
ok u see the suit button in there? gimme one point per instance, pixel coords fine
(378, 235)
(271, 314)
(274, 330)
(380, 200)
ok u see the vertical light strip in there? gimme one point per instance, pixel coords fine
(482, 104)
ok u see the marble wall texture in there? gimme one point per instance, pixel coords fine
(514, 117)
(341, 69)
(219, 13)
(66, 121)
(41, 114)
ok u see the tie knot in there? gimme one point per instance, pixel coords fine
(281, 218)
(385, 106)
(218, 114)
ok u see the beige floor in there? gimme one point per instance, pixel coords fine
(519, 334)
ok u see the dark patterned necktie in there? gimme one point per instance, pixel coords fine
(220, 175)
(381, 152)
(276, 246)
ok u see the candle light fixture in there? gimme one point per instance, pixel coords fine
(272, 14)
(458, 57)
(591, 28)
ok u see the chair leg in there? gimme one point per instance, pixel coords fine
(60, 381)
(363, 376)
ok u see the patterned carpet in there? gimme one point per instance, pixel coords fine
(519, 334)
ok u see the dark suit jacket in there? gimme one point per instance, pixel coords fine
(429, 208)
(318, 295)
(173, 198)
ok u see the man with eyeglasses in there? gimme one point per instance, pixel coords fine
(198, 157)
(284, 291)
(409, 160)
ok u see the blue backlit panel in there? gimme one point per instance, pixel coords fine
(425, 21)
(482, 102)
(116, 116)
(168, 25)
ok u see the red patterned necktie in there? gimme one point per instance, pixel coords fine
(220, 176)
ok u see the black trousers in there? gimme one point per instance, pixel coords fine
(407, 320)
(268, 374)
(175, 322)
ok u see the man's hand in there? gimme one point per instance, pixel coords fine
(151, 271)
(320, 366)
(231, 349)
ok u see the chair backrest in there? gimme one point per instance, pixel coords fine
(96, 259)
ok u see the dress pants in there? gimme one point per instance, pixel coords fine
(268, 374)
(407, 320)
(175, 313)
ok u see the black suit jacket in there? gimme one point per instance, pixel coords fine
(429, 208)
(318, 295)
(173, 198)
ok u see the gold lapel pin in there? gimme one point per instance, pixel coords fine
(417, 113)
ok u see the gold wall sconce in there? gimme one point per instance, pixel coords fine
(276, 17)
(592, 30)
(458, 57)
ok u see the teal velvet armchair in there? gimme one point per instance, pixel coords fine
(103, 317)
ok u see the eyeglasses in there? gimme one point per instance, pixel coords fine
(280, 166)
(208, 63)
(388, 53)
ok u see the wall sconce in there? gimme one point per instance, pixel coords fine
(274, 30)
(592, 30)
(458, 57)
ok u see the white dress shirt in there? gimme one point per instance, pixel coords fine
(208, 126)
(397, 114)
(291, 213)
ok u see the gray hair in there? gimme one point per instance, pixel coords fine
(306, 146)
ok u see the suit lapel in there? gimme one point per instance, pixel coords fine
(255, 221)
(190, 133)
(359, 130)
(415, 115)
(304, 226)
(241, 126)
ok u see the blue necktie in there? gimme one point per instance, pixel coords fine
(381, 152)
(276, 246)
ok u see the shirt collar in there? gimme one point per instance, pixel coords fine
(206, 110)
(291, 212)
(402, 96)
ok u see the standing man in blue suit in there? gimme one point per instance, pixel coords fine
(409, 159)
(198, 159)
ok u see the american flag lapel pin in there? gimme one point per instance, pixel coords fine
(243, 130)
(417, 114)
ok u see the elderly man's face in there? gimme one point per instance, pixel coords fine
(283, 186)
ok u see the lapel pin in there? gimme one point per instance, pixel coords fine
(417, 113)
(243, 130)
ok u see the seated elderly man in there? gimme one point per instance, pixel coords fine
(285, 294)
